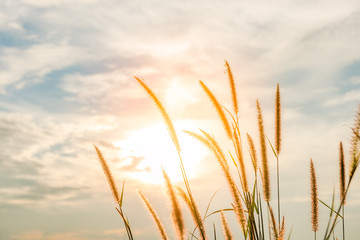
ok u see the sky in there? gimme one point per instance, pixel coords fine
(67, 82)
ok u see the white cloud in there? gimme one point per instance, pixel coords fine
(23, 67)
(24, 135)
(350, 96)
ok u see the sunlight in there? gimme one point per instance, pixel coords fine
(146, 150)
(178, 95)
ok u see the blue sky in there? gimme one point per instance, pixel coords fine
(66, 83)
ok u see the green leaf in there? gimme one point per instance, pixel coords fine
(272, 147)
(331, 209)
(122, 194)
(214, 231)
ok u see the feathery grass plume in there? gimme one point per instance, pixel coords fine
(342, 173)
(109, 177)
(154, 216)
(218, 108)
(265, 167)
(240, 159)
(314, 203)
(273, 224)
(277, 121)
(253, 154)
(342, 184)
(355, 155)
(163, 112)
(194, 212)
(233, 89)
(226, 229)
(278, 143)
(176, 211)
(211, 143)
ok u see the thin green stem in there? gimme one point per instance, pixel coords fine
(278, 187)
(327, 235)
(268, 216)
(343, 222)
(192, 202)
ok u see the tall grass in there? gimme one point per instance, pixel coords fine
(314, 200)
(251, 203)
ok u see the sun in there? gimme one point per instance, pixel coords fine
(146, 151)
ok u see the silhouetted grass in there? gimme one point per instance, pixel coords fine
(253, 216)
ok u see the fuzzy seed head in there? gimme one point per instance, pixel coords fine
(109, 177)
(233, 89)
(265, 167)
(314, 201)
(277, 121)
(342, 173)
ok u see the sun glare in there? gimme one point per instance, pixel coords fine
(147, 150)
